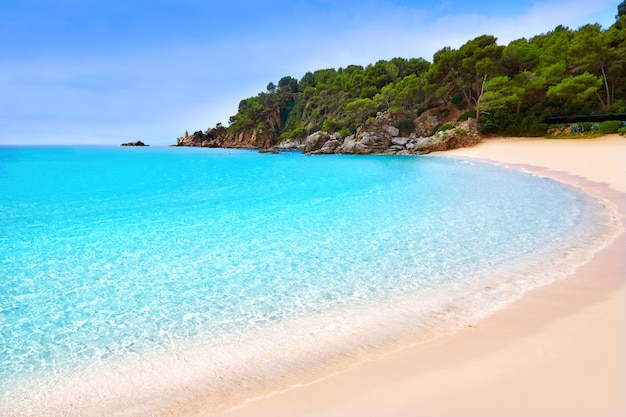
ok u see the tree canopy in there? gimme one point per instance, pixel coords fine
(511, 88)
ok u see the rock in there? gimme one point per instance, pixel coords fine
(270, 151)
(315, 141)
(464, 135)
(400, 141)
(426, 145)
(329, 147)
(212, 139)
(291, 144)
(426, 124)
(137, 143)
(392, 130)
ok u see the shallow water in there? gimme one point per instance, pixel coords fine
(223, 266)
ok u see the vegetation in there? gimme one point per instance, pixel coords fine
(508, 89)
(585, 130)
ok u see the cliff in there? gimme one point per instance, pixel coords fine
(218, 137)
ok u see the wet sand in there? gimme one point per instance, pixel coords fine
(560, 350)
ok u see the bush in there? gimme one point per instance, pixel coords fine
(467, 115)
(610, 126)
(298, 132)
(445, 126)
(586, 127)
(534, 128)
(622, 131)
(344, 131)
(330, 125)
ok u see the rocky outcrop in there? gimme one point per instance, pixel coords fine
(378, 136)
(213, 138)
(315, 142)
(381, 138)
(218, 137)
(371, 138)
(465, 134)
(137, 143)
(428, 122)
(248, 138)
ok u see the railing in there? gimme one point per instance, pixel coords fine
(586, 118)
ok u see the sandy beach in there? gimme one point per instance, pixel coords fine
(560, 350)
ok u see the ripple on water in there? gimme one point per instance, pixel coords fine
(177, 273)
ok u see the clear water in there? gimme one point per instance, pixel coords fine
(106, 253)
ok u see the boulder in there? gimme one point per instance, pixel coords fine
(291, 144)
(137, 143)
(426, 124)
(466, 134)
(392, 130)
(399, 141)
(329, 147)
(315, 141)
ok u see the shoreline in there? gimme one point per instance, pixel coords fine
(558, 350)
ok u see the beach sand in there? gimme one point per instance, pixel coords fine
(560, 350)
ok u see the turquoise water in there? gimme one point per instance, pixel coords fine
(110, 253)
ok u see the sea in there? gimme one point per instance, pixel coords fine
(136, 280)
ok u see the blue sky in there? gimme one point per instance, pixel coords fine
(110, 71)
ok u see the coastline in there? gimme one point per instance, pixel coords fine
(558, 350)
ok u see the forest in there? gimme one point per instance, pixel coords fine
(508, 89)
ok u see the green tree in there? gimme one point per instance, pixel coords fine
(444, 72)
(480, 59)
(501, 92)
(360, 110)
(579, 89)
(308, 80)
(404, 96)
(589, 51)
(519, 56)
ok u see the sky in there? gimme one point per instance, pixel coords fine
(111, 71)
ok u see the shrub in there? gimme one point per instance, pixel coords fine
(534, 128)
(330, 125)
(298, 132)
(467, 115)
(586, 126)
(345, 131)
(574, 128)
(445, 126)
(610, 126)
(622, 131)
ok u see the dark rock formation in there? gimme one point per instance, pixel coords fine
(213, 138)
(138, 143)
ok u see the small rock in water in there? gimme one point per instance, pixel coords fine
(138, 143)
